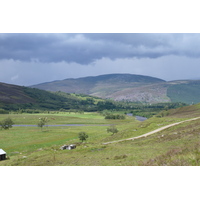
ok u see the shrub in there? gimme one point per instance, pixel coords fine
(112, 129)
(2, 111)
(120, 157)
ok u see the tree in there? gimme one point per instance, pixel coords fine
(112, 129)
(6, 123)
(42, 122)
(82, 136)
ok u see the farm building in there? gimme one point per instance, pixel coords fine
(2, 154)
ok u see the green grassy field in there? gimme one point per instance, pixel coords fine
(29, 146)
(60, 118)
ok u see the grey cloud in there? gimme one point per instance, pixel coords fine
(87, 48)
(166, 67)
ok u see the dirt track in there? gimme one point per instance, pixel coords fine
(155, 131)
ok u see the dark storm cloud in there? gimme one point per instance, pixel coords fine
(87, 48)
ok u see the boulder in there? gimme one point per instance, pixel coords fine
(69, 147)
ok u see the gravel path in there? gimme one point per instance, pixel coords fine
(155, 131)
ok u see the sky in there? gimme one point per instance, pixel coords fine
(32, 58)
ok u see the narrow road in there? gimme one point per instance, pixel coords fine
(155, 131)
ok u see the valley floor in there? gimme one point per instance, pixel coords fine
(175, 141)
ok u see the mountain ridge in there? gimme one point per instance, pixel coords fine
(129, 87)
(100, 77)
(101, 86)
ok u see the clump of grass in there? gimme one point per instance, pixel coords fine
(97, 149)
(120, 157)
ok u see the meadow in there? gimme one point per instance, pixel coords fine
(32, 146)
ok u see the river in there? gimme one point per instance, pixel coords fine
(139, 118)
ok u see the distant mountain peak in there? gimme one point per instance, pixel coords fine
(101, 86)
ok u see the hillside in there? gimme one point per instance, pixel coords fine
(187, 91)
(129, 87)
(33, 100)
(14, 94)
(153, 93)
(13, 97)
(185, 112)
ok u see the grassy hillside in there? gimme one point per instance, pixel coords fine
(186, 112)
(184, 91)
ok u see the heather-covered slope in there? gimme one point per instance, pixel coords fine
(13, 97)
(14, 94)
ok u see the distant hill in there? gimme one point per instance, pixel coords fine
(104, 86)
(129, 87)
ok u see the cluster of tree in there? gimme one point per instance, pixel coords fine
(114, 116)
(88, 105)
(107, 105)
